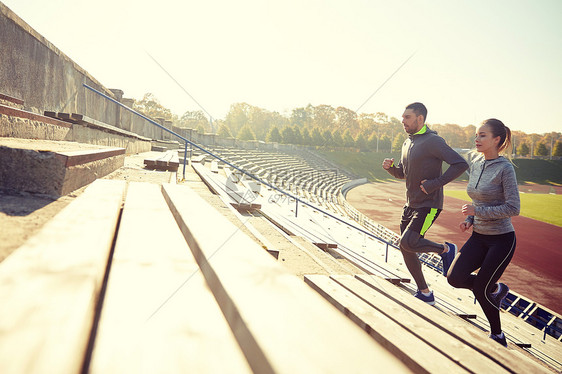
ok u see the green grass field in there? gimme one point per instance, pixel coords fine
(542, 207)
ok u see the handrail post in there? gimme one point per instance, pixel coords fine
(184, 159)
(386, 255)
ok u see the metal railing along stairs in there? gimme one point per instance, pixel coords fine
(187, 141)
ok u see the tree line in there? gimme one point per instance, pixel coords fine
(329, 127)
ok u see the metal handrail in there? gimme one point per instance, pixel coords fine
(297, 200)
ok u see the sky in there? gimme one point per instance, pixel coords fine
(465, 60)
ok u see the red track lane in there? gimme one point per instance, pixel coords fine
(536, 268)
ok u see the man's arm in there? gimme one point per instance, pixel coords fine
(395, 171)
(457, 165)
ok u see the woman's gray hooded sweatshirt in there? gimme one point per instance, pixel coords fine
(493, 189)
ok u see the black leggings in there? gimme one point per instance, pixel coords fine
(491, 254)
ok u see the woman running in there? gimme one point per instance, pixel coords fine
(492, 186)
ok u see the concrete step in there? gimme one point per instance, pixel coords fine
(54, 167)
(11, 101)
(18, 123)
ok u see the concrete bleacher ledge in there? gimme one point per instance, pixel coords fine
(19, 123)
(12, 100)
(54, 168)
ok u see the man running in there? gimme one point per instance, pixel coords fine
(420, 164)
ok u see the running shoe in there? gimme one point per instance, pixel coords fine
(427, 299)
(497, 298)
(448, 257)
(500, 339)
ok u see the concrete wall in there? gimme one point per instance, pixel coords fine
(34, 70)
(225, 142)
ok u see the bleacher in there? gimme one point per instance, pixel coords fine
(297, 172)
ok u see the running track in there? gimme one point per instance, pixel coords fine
(536, 268)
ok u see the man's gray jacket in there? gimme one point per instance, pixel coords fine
(422, 158)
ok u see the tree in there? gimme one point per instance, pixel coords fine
(298, 135)
(523, 149)
(324, 116)
(381, 117)
(274, 135)
(338, 140)
(557, 151)
(469, 131)
(150, 106)
(200, 129)
(398, 141)
(224, 131)
(373, 141)
(316, 136)
(454, 135)
(367, 123)
(246, 133)
(361, 142)
(237, 117)
(385, 143)
(348, 140)
(288, 135)
(194, 119)
(259, 121)
(306, 138)
(328, 139)
(276, 119)
(302, 116)
(347, 119)
(541, 150)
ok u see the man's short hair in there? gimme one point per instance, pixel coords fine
(418, 108)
